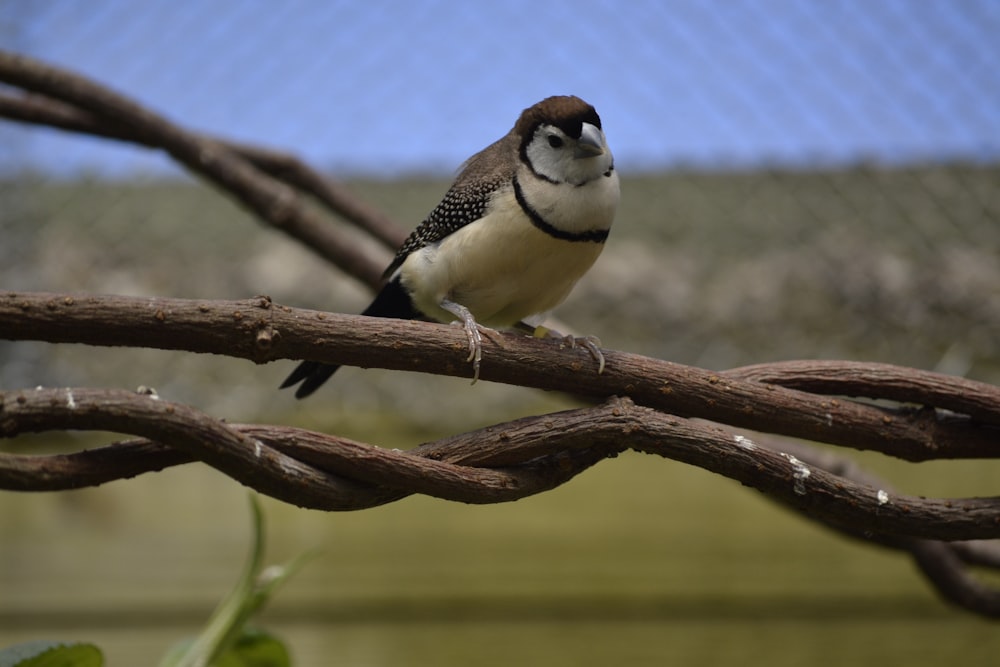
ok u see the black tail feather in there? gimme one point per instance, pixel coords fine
(312, 375)
(392, 301)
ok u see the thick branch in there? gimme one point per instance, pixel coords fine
(259, 330)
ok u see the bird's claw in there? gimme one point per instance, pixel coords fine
(475, 345)
(590, 343)
(466, 320)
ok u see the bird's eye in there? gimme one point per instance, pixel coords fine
(555, 141)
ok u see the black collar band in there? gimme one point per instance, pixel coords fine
(593, 235)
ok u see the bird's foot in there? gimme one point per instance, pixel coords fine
(590, 343)
(473, 330)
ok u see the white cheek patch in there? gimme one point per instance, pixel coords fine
(559, 165)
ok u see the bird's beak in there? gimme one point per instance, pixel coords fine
(591, 142)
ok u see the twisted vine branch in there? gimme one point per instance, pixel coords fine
(500, 463)
(523, 458)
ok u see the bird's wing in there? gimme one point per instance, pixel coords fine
(466, 201)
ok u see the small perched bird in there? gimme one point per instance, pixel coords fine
(523, 221)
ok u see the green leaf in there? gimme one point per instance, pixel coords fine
(44, 653)
(256, 648)
(253, 648)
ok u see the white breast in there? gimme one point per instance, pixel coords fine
(574, 208)
(501, 267)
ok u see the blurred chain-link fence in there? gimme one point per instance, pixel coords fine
(800, 179)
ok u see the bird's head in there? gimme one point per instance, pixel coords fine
(561, 141)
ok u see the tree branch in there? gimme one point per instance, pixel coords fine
(872, 380)
(500, 463)
(524, 457)
(270, 199)
(261, 331)
(942, 563)
(41, 110)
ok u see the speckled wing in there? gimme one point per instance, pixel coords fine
(466, 200)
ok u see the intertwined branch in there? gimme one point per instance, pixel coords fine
(711, 420)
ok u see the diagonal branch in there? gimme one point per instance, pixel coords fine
(41, 110)
(270, 199)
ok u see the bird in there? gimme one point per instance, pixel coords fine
(524, 219)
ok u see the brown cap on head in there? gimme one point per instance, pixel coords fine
(567, 112)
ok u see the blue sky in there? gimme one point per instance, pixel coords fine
(397, 87)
